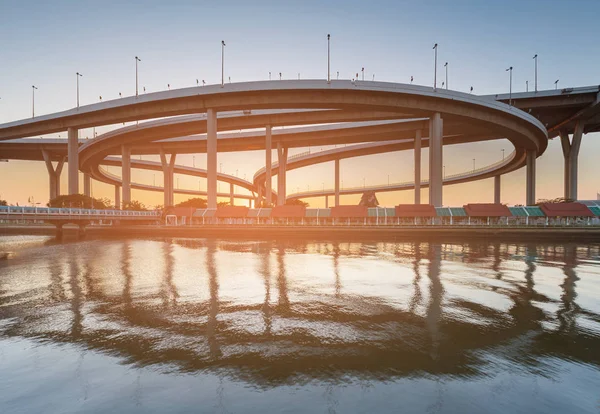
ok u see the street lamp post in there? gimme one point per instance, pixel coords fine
(556, 84)
(222, 63)
(329, 58)
(33, 88)
(535, 59)
(446, 66)
(435, 47)
(79, 75)
(363, 73)
(473, 164)
(526, 86)
(502, 154)
(510, 87)
(444, 171)
(137, 59)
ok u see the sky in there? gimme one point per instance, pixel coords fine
(46, 43)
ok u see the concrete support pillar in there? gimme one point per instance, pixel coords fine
(53, 174)
(73, 159)
(435, 160)
(337, 183)
(418, 167)
(231, 194)
(497, 189)
(268, 163)
(168, 172)
(530, 183)
(249, 203)
(211, 157)
(117, 196)
(87, 185)
(282, 161)
(326, 201)
(126, 173)
(571, 156)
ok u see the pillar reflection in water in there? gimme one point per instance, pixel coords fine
(436, 292)
(283, 301)
(336, 269)
(76, 298)
(265, 272)
(567, 313)
(213, 286)
(168, 291)
(415, 300)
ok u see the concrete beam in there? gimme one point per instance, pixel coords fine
(126, 173)
(282, 154)
(268, 162)
(497, 189)
(418, 167)
(530, 178)
(87, 185)
(337, 182)
(117, 196)
(570, 151)
(436, 160)
(73, 155)
(211, 157)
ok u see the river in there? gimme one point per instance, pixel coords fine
(199, 325)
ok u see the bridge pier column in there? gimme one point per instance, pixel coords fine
(435, 159)
(282, 154)
(231, 194)
(53, 174)
(87, 185)
(571, 156)
(268, 163)
(73, 160)
(497, 189)
(126, 173)
(337, 183)
(418, 167)
(530, 183)
(117, 196)
(168, 172)
(211, 157)
(326, 201)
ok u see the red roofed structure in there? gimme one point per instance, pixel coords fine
(288, 211)
(349, 211)
(566, 210)
(415, 210)
(487, 210)
(232, 212)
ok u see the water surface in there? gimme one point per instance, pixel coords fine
(194, 325)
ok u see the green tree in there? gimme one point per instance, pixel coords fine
(134, 205)
(193, 202)
(79, 201)
(296, 202)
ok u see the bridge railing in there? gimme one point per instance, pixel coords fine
(82, 212)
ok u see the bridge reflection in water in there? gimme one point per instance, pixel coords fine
(271, 314)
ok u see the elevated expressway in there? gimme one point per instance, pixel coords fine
(436, 114)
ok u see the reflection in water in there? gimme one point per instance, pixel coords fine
(407, 311)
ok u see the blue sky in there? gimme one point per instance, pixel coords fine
(45, 43)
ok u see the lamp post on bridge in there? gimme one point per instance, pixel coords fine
(137, 59)
(33, 88)
(535, 59)
(510, 87)
(435, 47)
(446, 66)
(79, 75)
(556, 84)
(329, 58)
(222, 63)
